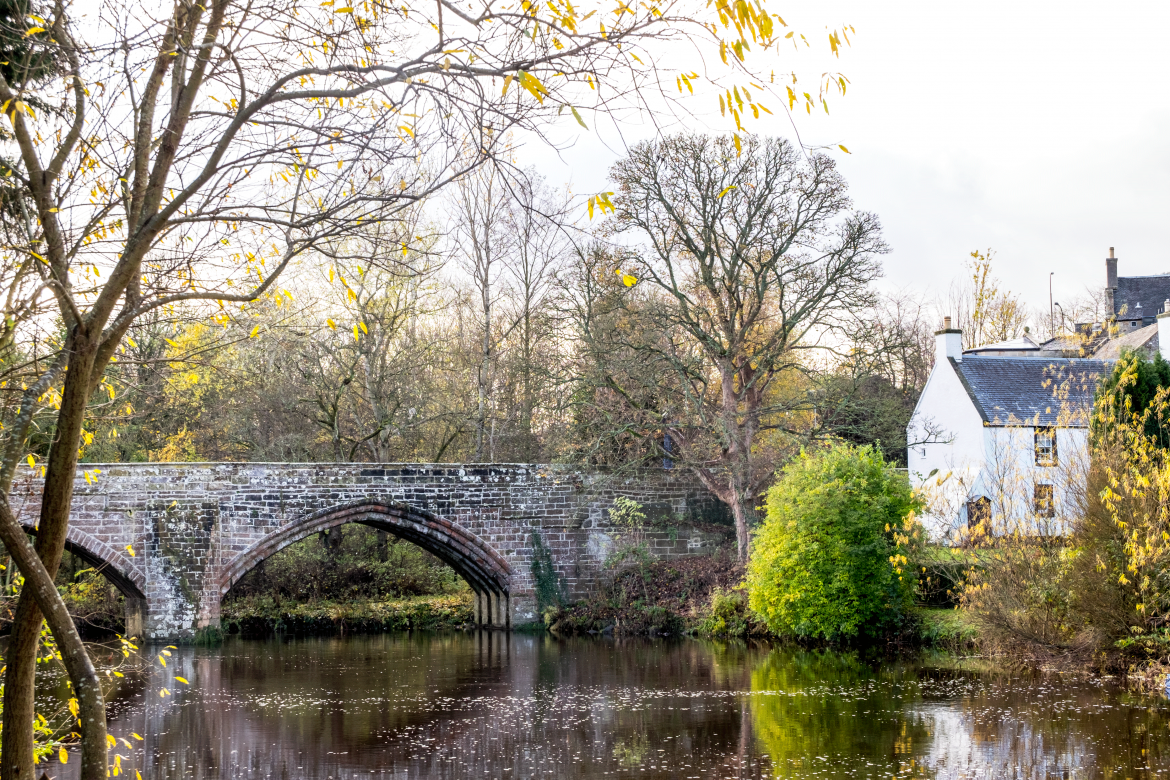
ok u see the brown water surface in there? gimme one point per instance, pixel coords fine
(492, 705)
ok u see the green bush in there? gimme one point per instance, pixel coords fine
(729, 616)
(831, 560)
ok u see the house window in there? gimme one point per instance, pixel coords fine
(1045, 446)
(978, 511)
(1042, 501)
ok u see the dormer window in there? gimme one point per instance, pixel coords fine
(1045, 440)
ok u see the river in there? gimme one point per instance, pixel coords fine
(493, 705)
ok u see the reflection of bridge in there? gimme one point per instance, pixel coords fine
(175, 537)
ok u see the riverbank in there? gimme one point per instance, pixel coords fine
(696, 595)
(258, 616)
(702, 596)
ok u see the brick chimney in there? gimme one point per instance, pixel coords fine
(1110, 285)
(948, 343)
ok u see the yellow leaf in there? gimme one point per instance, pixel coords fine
(73, 707)
(507, 83)
(727, 189)
(110, 739)
(135, 736)
(332, 325)
(182, 680)
(346, 10)
(63, 755)
(842, 148)
(407, 129)
(356, 337)
(164, 692)
(362, 325)
(173, 344)
(255, 330)
(34, 30)
(532, 84)
(32, 463)
(628, 280)
(130, 341)
(130, 549)
(738, 146)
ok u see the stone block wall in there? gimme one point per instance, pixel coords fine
(176, 536)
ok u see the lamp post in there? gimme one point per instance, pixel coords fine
(1052, 317)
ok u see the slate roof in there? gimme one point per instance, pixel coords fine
(1145, 339)
(1150, 291)
(1030, 391)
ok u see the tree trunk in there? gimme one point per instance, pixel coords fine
(39, 586)
(16, 750)
(484, 363)
(57, 496)
(742, 514)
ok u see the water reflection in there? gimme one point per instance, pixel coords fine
(493, 705)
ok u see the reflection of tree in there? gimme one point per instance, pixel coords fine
(830, 712)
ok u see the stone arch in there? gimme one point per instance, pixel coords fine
(484, 569)
(113, 564)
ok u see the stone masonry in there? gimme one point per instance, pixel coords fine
(175, 537)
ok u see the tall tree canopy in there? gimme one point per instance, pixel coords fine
(747, 257)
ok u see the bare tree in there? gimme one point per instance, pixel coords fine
(536, 219)
(747, 262)
(985, 313)
(484, 239)
(192, 152)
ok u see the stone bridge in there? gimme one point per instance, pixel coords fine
(175, 537)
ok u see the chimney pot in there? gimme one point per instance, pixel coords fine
(1111, 252)
(946, 323)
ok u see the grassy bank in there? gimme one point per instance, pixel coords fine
(265, 615)
(945, 628)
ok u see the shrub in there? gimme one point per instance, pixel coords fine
(729, 615)
(831, 559)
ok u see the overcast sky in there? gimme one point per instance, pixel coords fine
(1037, 129)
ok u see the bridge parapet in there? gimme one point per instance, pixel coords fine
(176, 536)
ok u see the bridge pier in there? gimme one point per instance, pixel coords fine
(134, 610)
(493, 610)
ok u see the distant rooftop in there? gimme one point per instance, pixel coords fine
(1145, 339)
(1141, 297)
(1021, 344)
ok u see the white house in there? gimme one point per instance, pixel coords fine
(1000, 434)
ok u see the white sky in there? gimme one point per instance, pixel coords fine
(1033, 128)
